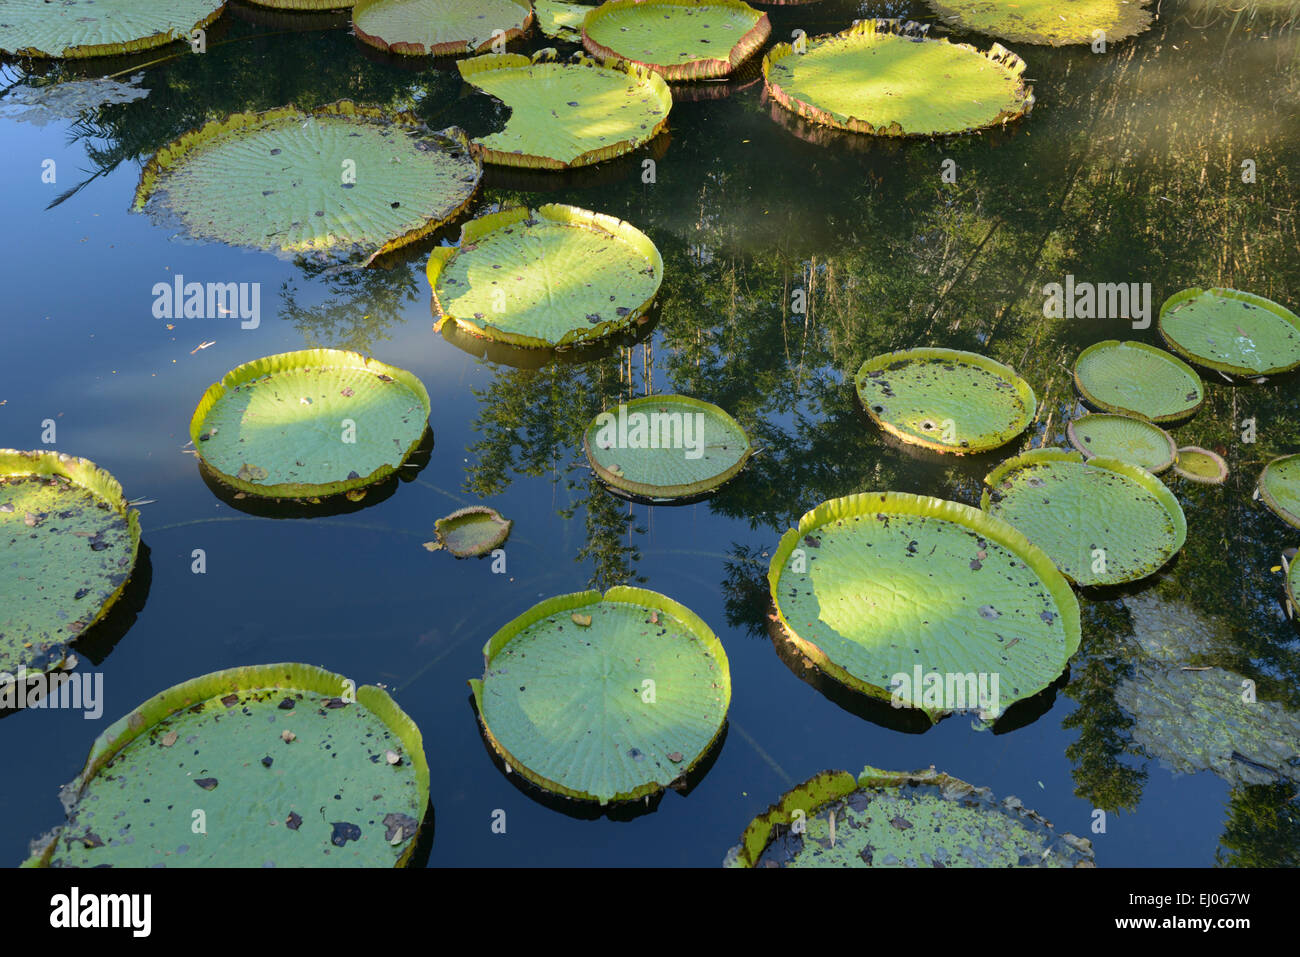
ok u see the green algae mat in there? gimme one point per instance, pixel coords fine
(74, 29)
(885, 77)
(1231, 331)
(1125, 438)
(1102, 521)
(545, 278)
(68, 545)
(285, 765)
(666, 447)
(439, 27)
(603, 698)
(878, 587)
(341, 182)
(310, 423)
(1279, 487)
(901, 819)
(945, 400)
(471, 531)
(1054, 22)
(564, 115)
(1201, 465)
(1133, 378)
(680, 39)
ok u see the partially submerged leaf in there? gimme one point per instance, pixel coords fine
(471, 531)
(560, 19)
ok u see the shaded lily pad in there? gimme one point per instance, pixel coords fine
(68, 545)
(310, 423)
(1201, 465)
(878, 77)
(875, 586)
(666, 446)
(545, 278)
(604, 698)
(945, 399)
(1055, 22)
(134, 803)
(1125, 438)
(342, 181)
(471, 531)
(1231, 331)
(1102, 521)
(561, 20)
(900, 819)
(680, 39)
(1133, 378)
(73, 29)
(439, 27)
(1279, 487)
(567, 114)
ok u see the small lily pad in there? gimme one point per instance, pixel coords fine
(472, 531)
(1125, 438)
(1201, 465)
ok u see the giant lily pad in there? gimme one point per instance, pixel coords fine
(1133, 378)
(1279, 487)
(899, 819)
(1201, 465)
(68, 544)
(945, 399)
(544, 278)
(1125, 438)
(884, 590)
(1102, 521)
(567, 114)
(471, 531)
(1055, 22)
(1231, 331)
(681, 39)
(341, 181)
(73, 29)
(604, 698)
(666, 446)
(439, 27)
(886, 77)
(310, 423)
(287, 764)
(562, 20)
(303, 5)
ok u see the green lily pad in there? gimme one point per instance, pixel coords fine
(568, 114)
(945, 399)
(545, 278)
(604, 698)
(1125, 438)
(1133, 378)
(1293, 585)
(901, 819)
(68, 545)
(882, 590)
(310, 423)
(561, 20)
(1231, 331)
(878, 77)
(74, 29)
(1054, 22)
(439, 27)
(666, 446)
(1102, 521)
(1201, 465)
(303, 5)
(680, 39)
(341, 181)
(1279, 487)
(287, 765)
(471, 531)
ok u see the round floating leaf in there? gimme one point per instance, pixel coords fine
(289, 767)
(1279, 487)
(1055, 22)
(544, 278)
(68, 544)
(556, 18)
(341, 181)
(472, 531)
(439, 27)
(1133, 378)
(73, 29)
(310, 423)
(1102, 521)
(604, 699)
(885, 77)
(1125, 438)
(1201, 465)
(945, 399)
(1293, 586)
(567, 114)
(666, 446)
(681, 39)
(900, 819)
(1235, 332)
(884, 590)
(307, 5)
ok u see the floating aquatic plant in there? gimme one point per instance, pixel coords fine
(1125, 438)
(1055, 22)
(471, 531)
(680, 39)
(1201, 465)
(1279, 487)
(1133, 378)
(1231, 331)
(440, 27)
(561, 20)
(74, 29)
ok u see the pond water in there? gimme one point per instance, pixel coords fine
(1130, 169)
